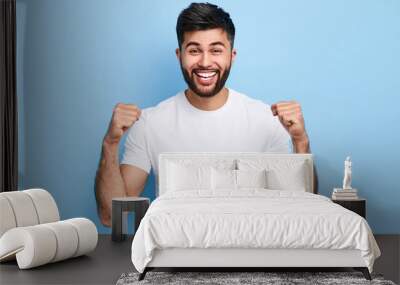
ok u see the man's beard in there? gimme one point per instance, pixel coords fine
(218, 85)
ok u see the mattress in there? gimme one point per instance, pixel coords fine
(251, 219)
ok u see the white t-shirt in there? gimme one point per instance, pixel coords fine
(242, 124)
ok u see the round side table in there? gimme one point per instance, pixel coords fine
(119, 217)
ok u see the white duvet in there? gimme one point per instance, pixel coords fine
(250, 218)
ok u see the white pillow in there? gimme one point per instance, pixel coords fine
(288, 174)
(188, 177)
(290, 179)
(223, 179)
(236, 179)
(251, 178)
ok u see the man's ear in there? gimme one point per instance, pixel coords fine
(233, 54)
(178, 53)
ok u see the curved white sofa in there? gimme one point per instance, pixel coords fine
(31, 231)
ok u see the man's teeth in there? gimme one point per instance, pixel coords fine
(206, 74)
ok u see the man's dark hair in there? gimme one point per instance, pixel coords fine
(204, 16)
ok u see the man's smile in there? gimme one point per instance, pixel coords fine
(205, 77)
(205, 74)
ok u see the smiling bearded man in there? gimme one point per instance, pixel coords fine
(205, 81)
(206, 117)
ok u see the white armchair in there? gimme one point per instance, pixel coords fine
(31, 231)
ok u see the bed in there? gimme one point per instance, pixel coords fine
(246, 210)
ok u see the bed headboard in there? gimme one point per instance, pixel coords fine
(238, 160)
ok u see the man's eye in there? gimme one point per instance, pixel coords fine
(217, 51)
(194, 51)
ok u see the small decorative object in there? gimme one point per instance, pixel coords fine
(347, 192)
(347, 174)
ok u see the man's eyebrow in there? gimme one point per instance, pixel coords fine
(192, 43)
(212, 44)
(217, 44)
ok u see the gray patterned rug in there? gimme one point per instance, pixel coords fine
(270, 278)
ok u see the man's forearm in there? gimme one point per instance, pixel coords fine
(109, 182)
(304, 147)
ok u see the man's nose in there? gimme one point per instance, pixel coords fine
(205, 60)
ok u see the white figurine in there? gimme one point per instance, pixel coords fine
(347, 174)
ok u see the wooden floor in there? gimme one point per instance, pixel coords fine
(389, 262)
(110, 260)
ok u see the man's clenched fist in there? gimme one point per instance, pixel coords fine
(291, 117)
(123, 117)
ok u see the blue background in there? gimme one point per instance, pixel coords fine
(339, 59)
